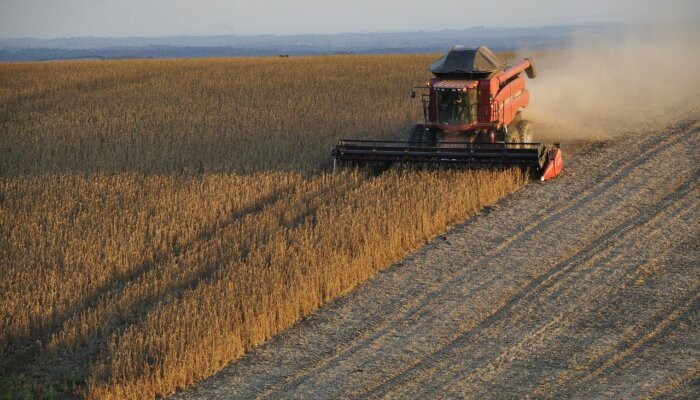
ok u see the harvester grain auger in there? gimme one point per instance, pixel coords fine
(472, 112)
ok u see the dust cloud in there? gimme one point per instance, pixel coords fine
(647, 79)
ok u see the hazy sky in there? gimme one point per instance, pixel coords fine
(62, 18)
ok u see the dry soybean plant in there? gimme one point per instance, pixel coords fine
(160, 218)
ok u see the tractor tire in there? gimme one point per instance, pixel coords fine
(512, 135)
(516, 120)
(429, 138)
(525, 130)
(416, 134)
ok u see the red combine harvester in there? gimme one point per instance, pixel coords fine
(472, 112)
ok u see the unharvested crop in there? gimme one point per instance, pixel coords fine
(160, 218)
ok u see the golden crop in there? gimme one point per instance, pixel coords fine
(160, 218)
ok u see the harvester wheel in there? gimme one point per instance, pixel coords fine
(416, 134)
(525, 130)
(516, 120)
(429, 137)
(512, 135)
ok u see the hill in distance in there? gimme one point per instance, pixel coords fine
(528, 38)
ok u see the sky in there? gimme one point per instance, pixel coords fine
(154, 18)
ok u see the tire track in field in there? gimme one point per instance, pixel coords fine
(577, 306)
(643, 341)
(541, 283)
(614, 254)
(688, 379)
(650, 148)
(644, 336)
(620, 304)
(678, 340)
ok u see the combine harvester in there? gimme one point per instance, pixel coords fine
(473, 118)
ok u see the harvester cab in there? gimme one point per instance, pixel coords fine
(472, 116)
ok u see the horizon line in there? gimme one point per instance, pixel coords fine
(592, 23)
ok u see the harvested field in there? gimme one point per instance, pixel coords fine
(587, 286)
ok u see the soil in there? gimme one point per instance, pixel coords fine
(585, 286)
